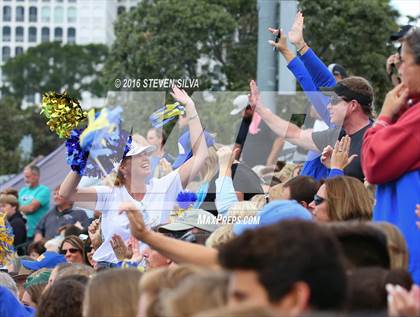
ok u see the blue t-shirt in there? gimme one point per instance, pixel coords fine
(40, 193)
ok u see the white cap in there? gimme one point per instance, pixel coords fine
(240, 104)
(135, 148)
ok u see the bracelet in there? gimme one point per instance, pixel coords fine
(304, 45)
(193, 117)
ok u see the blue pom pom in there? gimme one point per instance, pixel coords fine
(186, 199)
(103, 147)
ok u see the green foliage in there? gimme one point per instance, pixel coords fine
(55, 67)
(9, 136)
(15, 124)
(354, 34)
(166, 39)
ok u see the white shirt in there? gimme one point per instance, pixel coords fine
(156, 206)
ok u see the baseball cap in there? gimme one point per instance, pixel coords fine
(401, 33)
(135, 148)
(185, 150)
(274, 212)
(337, 69)
(48, 259)
(239, 104)
(193, 218)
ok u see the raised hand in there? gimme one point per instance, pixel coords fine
(326, 156)
(181, 96)
(95, 233)
(296, 32)
(137, 226)
(226, 157)
(281, 45)
(164, 167)
(402, 302)
(120, 249)
(135, 247)
(254, 97)
(340, 156)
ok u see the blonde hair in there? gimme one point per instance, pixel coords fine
(117, 178)
(397, 246)
(210, 166)
(9, 199)
(220, 236)
(112, 293)
(153, 282)
(348, 199)
(259, 200)
(195, 294)
(242, 209)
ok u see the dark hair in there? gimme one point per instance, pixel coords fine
(35, 169)
(367, 288)
(363, 245)
(413, 41)
(64, 298)
(77, 243)
(71, 230)
(288, 252)
(302, 188)
(363, 87)
(38, 247)
(161, 134)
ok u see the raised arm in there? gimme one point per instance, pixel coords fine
(295, 65)
(318, 71)
(176, 250)
(225, 192)
(190, 168)
(83, 197)
(281, 127)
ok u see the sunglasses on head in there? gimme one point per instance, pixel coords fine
(71, 250)
(318, 200)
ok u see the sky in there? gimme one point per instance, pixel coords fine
(407, 7)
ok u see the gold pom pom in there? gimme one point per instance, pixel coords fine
(63, 113)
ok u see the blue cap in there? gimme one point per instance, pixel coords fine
(274, 212)
(47, 260)
(11, 307)
(185, 150)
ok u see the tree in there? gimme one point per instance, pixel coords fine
(10, 135)
(55, 67)
(167, 38)
(17, 123)
(354, 34)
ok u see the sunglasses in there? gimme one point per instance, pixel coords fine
(335, 100)
(318, 200)
(71, 250)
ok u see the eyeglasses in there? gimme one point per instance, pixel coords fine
(71, 250)
(189, 237)
(318, 200)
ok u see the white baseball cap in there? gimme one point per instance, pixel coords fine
(239, 104)
(135, 148)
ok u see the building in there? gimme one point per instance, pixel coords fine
(27, 23)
